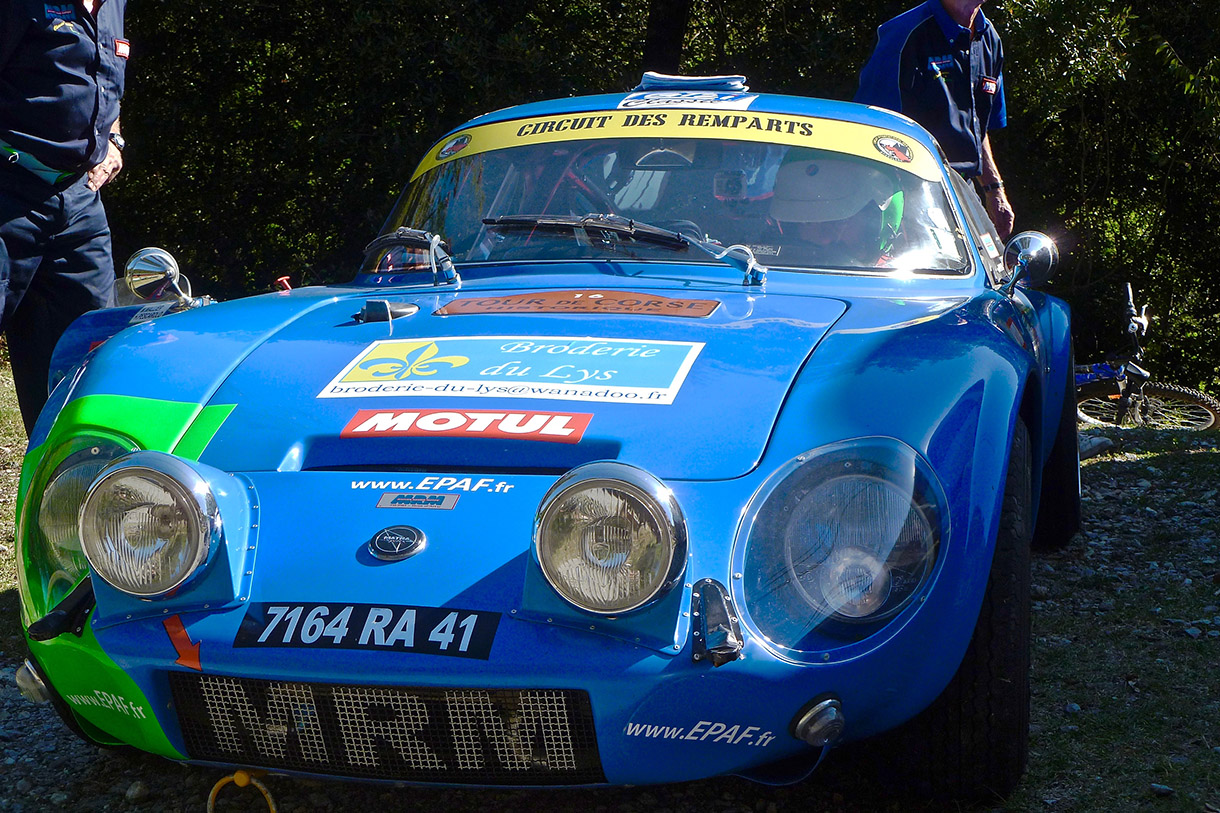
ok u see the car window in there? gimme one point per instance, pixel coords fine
(804, 208)
(987, 240)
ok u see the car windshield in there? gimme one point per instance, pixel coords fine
(794, 206)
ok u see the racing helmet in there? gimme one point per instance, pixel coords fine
(819, 186)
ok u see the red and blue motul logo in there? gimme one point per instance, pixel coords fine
(555, 427)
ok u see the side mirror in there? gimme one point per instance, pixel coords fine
(1030, 257)
(152, 275)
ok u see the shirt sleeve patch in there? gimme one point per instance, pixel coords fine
(59, 11)
(122, 48)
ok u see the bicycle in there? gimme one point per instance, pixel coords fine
(1119, 392)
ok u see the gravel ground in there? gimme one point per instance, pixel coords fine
(44, 767)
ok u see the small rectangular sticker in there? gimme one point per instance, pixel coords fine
(388, 628)
(151, 311)
(599, 302)
(712, 99)
(401, 499)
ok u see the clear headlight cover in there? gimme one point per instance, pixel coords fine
(610, 538)
(841, 540)
(52, 561)
(148, 524)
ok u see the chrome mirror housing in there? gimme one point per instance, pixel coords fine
(1031, 257)
(152, 275)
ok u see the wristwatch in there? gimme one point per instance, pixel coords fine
(118, 141)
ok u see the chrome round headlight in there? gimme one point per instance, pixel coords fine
(148, 524)
(842, 540)
(610, 538)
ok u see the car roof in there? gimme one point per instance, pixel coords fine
(692, 97)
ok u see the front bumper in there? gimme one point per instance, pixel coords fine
(556, 696)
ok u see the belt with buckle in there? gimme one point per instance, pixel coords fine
(28, 162)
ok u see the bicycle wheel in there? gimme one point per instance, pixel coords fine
(1162, 406)
(1168, 406)
(1098, 405)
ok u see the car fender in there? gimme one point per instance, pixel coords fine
(952, 388)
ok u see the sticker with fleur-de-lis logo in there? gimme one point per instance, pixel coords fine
(638, 371)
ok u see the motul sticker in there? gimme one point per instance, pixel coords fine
(555, 427)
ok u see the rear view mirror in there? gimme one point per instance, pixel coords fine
(152, 275)
(1030, 257)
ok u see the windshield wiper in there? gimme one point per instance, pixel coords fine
(439, 261)
(603, 223)
(737, 256)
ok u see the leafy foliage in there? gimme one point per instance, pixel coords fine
(270, 138)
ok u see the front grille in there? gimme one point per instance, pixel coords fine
(460, 736)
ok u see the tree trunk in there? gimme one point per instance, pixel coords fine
(667, 21)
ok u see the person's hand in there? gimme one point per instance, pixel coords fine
(106, 171)
(1000, 212)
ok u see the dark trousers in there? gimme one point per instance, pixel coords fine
(55, 264)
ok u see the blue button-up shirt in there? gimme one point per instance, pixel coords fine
(61, 79)
(948, 78)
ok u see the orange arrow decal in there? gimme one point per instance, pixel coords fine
(188, 652)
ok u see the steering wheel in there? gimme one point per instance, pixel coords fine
(593, 199)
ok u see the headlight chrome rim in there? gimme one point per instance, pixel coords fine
(655, 497)
(195, 496)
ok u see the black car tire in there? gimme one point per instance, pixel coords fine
(972, 743)
(1059, 503)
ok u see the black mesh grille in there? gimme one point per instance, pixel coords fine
(494, 736)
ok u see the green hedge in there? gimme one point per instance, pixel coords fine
(271, 139)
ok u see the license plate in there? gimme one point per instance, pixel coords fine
(380, 627)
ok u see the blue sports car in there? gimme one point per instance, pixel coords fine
(661, 435)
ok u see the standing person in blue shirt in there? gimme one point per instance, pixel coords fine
(942, 64)
(61, 77)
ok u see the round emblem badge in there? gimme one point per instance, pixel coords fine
(453, 146)
(893, 148)
(397, 543)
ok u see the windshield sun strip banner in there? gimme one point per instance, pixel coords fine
(866, 141)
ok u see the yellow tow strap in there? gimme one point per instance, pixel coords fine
(242, 779)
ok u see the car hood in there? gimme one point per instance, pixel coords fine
(683, 384)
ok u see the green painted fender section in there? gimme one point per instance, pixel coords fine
(108, 703)
(101, 694)
(165, 426)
